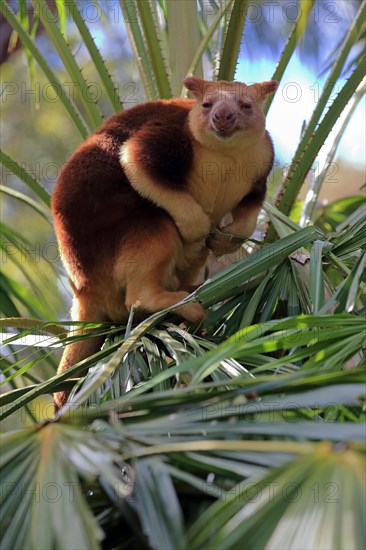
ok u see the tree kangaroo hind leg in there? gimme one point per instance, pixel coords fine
(83, 310)
(151, 281)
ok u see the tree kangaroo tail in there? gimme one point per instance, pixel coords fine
(77, 351)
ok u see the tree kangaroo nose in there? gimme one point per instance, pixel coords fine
(224, 114)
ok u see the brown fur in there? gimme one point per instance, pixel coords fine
(136, 205)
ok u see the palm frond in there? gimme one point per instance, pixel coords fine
(49, 73)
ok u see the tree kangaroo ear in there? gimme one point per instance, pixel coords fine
(195, 85)
(262, 90)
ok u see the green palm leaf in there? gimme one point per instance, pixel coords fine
(294, 506)
(52, 78)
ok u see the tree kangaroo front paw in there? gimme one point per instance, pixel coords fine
(195, 226)
(221, 243)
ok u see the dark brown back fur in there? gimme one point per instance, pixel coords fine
(94, 205)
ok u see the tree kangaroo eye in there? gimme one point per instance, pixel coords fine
(207, 105)
(246, 106)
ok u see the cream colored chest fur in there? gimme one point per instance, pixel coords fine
(218, 182)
